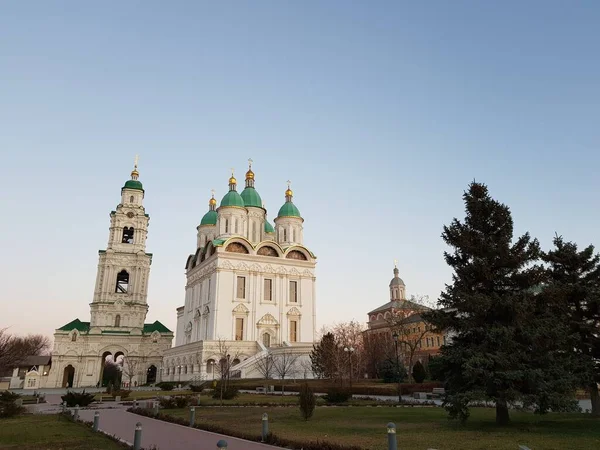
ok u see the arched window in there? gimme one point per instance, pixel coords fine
(226, 225)
(127, 235)
(131, 199)
(117, 320)
(267, 340)
(74, 337)
(122, 282)
(236, 226)
(284, 235)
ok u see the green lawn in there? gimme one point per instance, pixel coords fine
(50, 432)
(418, 428)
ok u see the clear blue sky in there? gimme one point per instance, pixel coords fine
(380, 113)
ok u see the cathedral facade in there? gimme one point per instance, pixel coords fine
(250, 290)
(116, 329)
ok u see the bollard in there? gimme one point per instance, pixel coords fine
(76, 413)
(391, 432)
(156, 408)
(63, 407)
(265, 427)
(135, 404)
(137, 436)
(96, 420)
(192, 416)
(222, 444)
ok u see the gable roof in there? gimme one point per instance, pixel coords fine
(399, 304)
(156, 326)
(76, 324)
(42, 360)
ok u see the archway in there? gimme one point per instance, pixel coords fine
(151, 374)
(111, 371)
(68, 376)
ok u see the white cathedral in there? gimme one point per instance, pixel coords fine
(250, 292)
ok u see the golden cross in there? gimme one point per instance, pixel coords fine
(396, 263)
(232, 171)
(250, 163)
(212, 191)
(135, 161)
(289, 183)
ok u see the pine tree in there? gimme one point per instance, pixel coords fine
(322, 357)
(574, 285)
(489, 309)
(419, 373)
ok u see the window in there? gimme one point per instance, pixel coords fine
(226, 225)
(74, 337)
(127, 235)
(131, 199)
(239, 329)
(267, 340)
(117, 320)
(268, 290)
(444, 340)
(122, 282)
(293, 330)
(253, 232)
(293, 235)
(438, 341)
(241, 287)
(293, 291)
(236, 226)
(284, 235)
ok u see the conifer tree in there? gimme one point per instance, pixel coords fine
(574, 286)
(490, 310)
(323, 356)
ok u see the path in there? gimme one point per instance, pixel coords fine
(164, 435)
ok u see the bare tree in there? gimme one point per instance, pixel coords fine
(14, 349)
(131, 368)
(351, 355)
(266, 367)
(285, 365)
(409, 327)
(226, 356)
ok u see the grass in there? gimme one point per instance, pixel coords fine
(418, 428)
(50, 432)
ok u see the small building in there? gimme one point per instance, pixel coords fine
(32, 373)
(401, 320)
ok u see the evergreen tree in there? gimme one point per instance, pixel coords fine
(490, 309)
(419, 374)
(574, 286)
(323, 356)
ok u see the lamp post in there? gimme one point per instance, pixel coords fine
(211, 363)
(350, 350)
(395, 336)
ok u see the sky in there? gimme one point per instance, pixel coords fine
(381, 113)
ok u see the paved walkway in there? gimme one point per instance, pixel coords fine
(164, 435)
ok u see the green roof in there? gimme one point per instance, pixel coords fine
(76, 325)
(156, 326)
(268, 227)
(288, 210)
(115, 332)
(251, 197)
(232, 198)
(218, 242)
(210, 218)
(133, 184)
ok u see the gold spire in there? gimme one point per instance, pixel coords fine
(289, 192)
(134, 173)
(250, 174)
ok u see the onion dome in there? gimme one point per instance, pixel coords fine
(396, 281)
(269, 228)
(210, 218)
(289, 209)
(134, 183)
(249, 194)
(232, 198)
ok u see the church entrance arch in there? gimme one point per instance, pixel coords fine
(151, 374)
(68, 376)
(111, 370)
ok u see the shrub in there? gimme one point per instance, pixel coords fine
(121, 393)
(419, 372)
(181, 401)
(197, 387)
(8, 405)
(75, 398)
(389, 372)
(229, 392)
(164, 386)
(167, 402)
(308, 401)
(337, 395)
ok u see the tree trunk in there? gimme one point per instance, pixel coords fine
(502, 417)
(595, 398)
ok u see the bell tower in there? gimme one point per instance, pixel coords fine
(119, 303)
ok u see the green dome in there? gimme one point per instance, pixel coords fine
(251, 197)
(133, 184)
(269, 228)
(288, 210)
(232, 198)
(210, 218)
